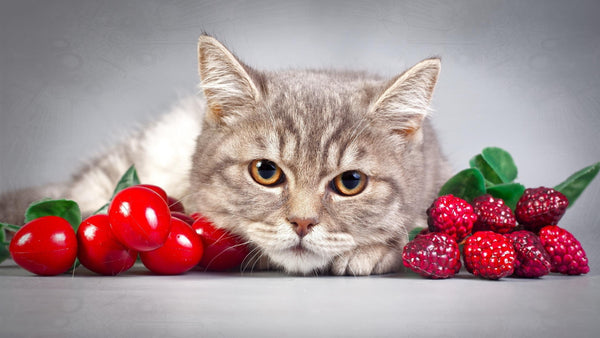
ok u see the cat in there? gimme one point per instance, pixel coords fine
(320, 171)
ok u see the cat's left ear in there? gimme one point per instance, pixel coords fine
(229, 89)
(405, 103)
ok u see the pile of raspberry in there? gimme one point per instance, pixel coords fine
(496, 242)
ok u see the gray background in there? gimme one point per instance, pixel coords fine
(522, 75)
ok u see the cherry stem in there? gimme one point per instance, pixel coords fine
(10, 227)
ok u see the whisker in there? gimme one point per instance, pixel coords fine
(247, 259)
(227, 249)
(260, 256)
(182, 198)
(253, 257)
(364, 123)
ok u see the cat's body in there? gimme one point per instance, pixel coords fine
(320, 171)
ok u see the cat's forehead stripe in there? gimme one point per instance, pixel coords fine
(289, 148)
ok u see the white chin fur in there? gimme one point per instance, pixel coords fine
(301, 263)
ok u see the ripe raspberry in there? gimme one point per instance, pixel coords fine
(432, 255)
(532, 259)
(567, 255)
(489, 255)
(493, 214)
(539, 207)
(451, 215)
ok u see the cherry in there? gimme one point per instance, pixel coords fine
(99, 250)
(139, 218)
(222, 250)
(46, 246)
(180, 253)
(156, 189)
(186, 218)
(175, 204)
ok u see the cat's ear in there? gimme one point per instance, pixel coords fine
(228, 87)
(405, 102)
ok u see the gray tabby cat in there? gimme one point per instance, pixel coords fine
(320, 171)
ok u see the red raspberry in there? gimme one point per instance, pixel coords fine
(567, 255)
(432, 255)
(493, 214)
(489, 255)
(532, 259)
(451, 215)
(539, 207)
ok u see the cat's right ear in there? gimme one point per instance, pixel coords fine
(226, 82)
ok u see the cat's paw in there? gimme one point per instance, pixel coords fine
(368, 260)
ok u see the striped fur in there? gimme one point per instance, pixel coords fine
(315, 125)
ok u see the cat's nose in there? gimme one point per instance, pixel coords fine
(302, 226)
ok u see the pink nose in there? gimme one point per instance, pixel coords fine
(302, 226)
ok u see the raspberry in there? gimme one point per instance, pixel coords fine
(539, 207)
(567, 255)
(489, 255)
(451, 215)
(493, 214)
(432, 255)
(532, 259)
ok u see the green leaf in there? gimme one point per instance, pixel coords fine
(67, 209)
(467, 185)
(414, 232)
(130, 178)
(573, 186)
(4, 253)
(509, 192)
(488, 173)
(501, 162)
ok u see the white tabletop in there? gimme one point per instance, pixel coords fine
(271, 304)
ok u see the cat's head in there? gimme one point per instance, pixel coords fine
(307, 165)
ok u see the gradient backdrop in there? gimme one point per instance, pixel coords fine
(522, 75)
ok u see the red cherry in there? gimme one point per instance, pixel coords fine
(156, 189)
(175, 204)
(46, 246)
(139, 218)
(222, 250)
(180, 253)
(99, 250)
(188, 219)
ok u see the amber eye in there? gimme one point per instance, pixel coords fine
(349, 183)
(266, 172)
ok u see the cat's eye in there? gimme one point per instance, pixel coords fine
(266, 172)
(349, 183)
